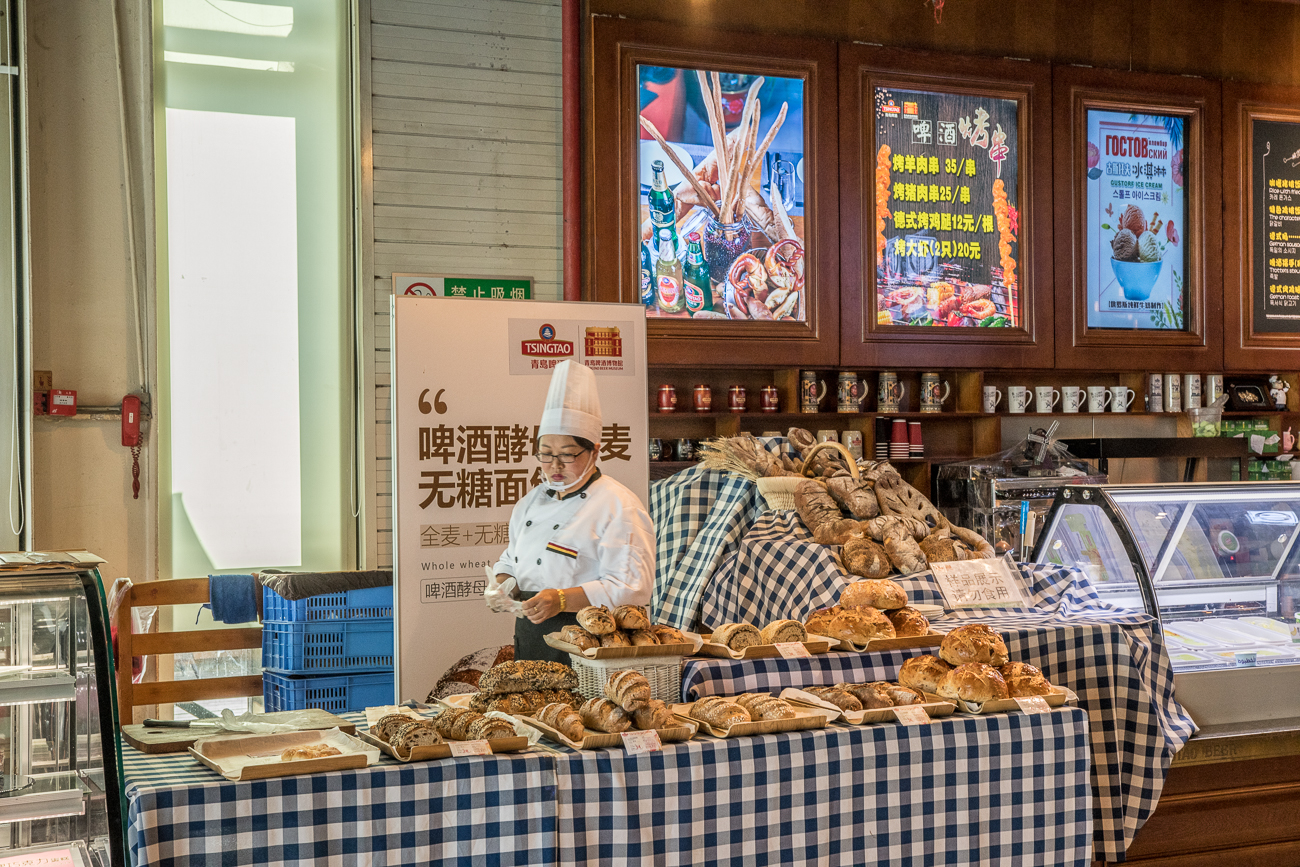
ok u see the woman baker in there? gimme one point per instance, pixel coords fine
(580, 538)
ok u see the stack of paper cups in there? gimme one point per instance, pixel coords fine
(882, 439)
(914, 439)
(900, 443)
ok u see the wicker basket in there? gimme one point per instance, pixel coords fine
(778, 491)
(663, 672)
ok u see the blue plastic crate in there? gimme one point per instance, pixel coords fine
(370, 602)
(328, 646)
(333, 693)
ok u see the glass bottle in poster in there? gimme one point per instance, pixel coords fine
(668, 276)
(695, 277)
(663, 207)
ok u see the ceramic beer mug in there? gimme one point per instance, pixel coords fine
(1098, 398)
(811, 391)
(1120, 398)
(850, 392)
(1071, 398)
(889, 392)
(1045, 398)
(992, 397)
(932, 396)
(770, 398)
(1018, 397)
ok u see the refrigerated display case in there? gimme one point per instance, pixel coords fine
(1217, 564)
(60, 780)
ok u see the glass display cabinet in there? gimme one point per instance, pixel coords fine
(1216, 564)
(60, 783)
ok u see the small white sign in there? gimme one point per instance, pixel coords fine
(470, 748)
(1033, 704)
(912, 715)
(792, 649)
(642, 742)
(979, 584)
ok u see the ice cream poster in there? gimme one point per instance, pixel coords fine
(1136, 219)
(946, 219)
(1276, 226)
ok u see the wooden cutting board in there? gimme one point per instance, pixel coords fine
(172, 740)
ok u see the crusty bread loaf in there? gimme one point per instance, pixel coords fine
(737, 636)
(1024, 680)
(386, 726)
(603, 715)
(762, 706)
(617, 638)
(669, 635)
(630, 617)
(814, 504)
(579, 637)
(974, 642)
(596, 619)
(854, 496)
(782, 631)
(974, 682)
(655, 715)
(629, 689)
(527, 674)
(860, 625)
(820, 621)
(864, 557)
(490, 728)
(909, 622)
(868, 695)
(905, 554)
(879, 593)
(841, 698)
(454, 719)
(563, 719)
(563, 696)
(924, 673)
(719, 712)
(510, 702)
(837, 532)
(642, 637)
(904, 695)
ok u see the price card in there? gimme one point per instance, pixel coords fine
(979, 584)
(912, 715)
(470, 748)
(792, 649)
(642, 742)
(1033, 704)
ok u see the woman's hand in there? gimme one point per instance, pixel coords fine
(543, 606)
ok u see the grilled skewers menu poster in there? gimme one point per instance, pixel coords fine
(947, 223)
(1275, 175)
(1137, 213)
(722, 225)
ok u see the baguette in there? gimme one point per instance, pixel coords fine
(783, 631)
(630, 617)
(655, 715)
(527, 674)
(628, 689)
(762, 706)
(603, 715)
(563, 719)
(718, 712)
(596, 619)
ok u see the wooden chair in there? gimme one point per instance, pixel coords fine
(183, 591)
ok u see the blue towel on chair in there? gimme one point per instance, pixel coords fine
(233, 598)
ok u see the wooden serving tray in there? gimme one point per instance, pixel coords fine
(939, 708)
(553, 640)
(930, 639)
(1057, 697)
(815, 644)
(211, 751)
(441, 751)
(594, 740)
(804, 718)
(151, 740)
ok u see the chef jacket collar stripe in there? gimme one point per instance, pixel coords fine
(568, 494)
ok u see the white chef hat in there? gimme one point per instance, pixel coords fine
(572, 403)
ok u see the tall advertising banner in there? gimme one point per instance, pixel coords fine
(470, 377)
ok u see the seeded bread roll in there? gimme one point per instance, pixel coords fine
(719, 712)
(909, 622)
(527, 674)
(617, 638)
(628, 689)
(490, 728)
(446, 722)
(669, 635)
(386, 726)
(737, 636)
(415, 734)
(655, 715)
(510, 702)
(579, 637)
(974, 642)
(563, 696)
(974, 682)
(841, 698)
(860, 625)
(880, 593)
(603, 715)
(563, 719)
(864, 557)
(762, 706)
(596, 619)
(630, 617)
(924, 673)
(1024, 680)
(642, 637)
(782, 631)
(867, 695)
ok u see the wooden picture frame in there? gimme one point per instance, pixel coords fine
(866, 340)
(1248, 343)
(612, 222)
(1198, 345)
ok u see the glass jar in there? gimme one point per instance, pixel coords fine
(723, 244)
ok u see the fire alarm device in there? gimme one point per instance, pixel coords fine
(63, 402)
(131, 438)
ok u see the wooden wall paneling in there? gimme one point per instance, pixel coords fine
(863, 341)
(1246, 346)
(611, 215)
(1200, 345)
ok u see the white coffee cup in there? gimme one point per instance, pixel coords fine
(992, 397)
(1120, 398)
(1045, 398)
(1017, 398)
(1098, 398)
(1071, 398)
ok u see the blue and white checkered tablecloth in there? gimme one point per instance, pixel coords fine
(473, 810)
(1009, 789)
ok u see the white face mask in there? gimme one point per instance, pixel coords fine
(561, 487)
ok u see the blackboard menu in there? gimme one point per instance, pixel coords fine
(1275, 179)
(947, 222)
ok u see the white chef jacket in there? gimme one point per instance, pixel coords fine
(601, 540)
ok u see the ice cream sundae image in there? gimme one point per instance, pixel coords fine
(1137, 253)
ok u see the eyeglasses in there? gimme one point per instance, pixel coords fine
(544, 458)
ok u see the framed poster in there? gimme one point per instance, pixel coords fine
(711, 180)
(1261, 193)
(1137, 185)
(941, 171)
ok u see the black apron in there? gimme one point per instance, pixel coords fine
(529, 641)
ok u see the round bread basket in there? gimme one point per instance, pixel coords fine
(831, 444)
(778, 491)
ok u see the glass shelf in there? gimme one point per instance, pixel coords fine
(45, 797)
(30, 687)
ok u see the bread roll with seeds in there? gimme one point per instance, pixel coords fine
(523, 675)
